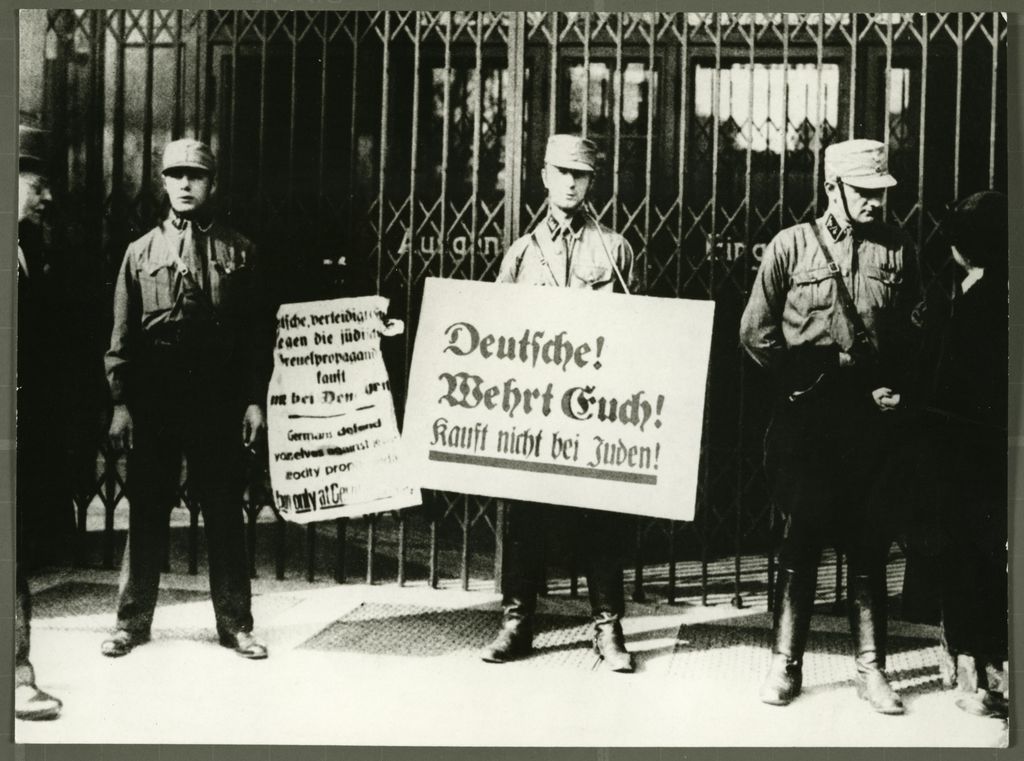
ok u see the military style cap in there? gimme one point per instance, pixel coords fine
(188, 153)
(861, 163)
(571, 152)
(32, 149)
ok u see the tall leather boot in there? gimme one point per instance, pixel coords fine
(515, 637)
(610, 642)
(868, 626)
(794, 601)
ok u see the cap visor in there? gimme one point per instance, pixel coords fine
(577, 165)
(871, 182)
(186, 165)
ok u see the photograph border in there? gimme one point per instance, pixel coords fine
(55, 752)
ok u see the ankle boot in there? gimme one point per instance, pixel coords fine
(515, 637)
(610, 643)
(794, 600)
(868, 626)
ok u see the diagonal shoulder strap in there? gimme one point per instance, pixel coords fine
(860, 331)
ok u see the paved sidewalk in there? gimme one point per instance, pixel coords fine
(384, 665)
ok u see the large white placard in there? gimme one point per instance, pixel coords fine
(559, 395)
(334, 445)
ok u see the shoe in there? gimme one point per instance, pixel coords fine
(985, 703)
(32, 704)
(794, 599)
(868, 626)
(515, 637)
(122, 642)
(245, 644)
(610, 643)
(783, 682)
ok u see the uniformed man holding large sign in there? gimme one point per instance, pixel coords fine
(568, 249)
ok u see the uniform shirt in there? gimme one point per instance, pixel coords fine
(794, 303)
(579, 256)
(177, 293)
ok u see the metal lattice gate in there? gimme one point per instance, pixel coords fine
(369, 150)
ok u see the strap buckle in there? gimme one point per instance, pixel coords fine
(833, 268)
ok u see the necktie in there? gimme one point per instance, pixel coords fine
(192, 251)
(566, 234)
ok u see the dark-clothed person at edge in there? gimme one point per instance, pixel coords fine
(186, 369)
(40, 445)
(568, 249)
(830, 316)
(963, 448)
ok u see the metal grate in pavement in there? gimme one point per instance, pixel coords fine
(79, 598)
(740, 654)
(91, 607)
(410, 630)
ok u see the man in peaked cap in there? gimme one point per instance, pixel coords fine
(568, 249)
(187, 373)
(830, 315)
(39, 445)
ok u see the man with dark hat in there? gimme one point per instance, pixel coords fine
(39, 443)
(830, 315)
(187, 372)
(568, 249)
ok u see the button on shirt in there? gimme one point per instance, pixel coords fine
(579, 255)
(793, 301)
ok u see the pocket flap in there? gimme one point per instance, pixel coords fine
(813, 275)
(886, 276)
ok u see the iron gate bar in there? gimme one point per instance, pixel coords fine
(816, 181)
(852, 39)
(371, 545)
(94, 128)
(478, 80)
(118, 205)
(294, 39)
(992, 114)
(446, 97)
(232, 119)
(208, 87)
(433, 570)
(553, 78)
(281, 538)
(340, 528)
(921, 132)
(179, 73)
(959, 42)
(586, 75)
(324, 57)
(785, 121)
(147, 124)
(261, 133)
(413, 156)
(382, 169)
(617, 82)
(737, 599)
(653, 95)
(886, 120)
(310, 544)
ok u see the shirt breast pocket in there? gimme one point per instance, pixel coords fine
(813, 290)
(228, 283)
(881, 285)
(156, 286)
